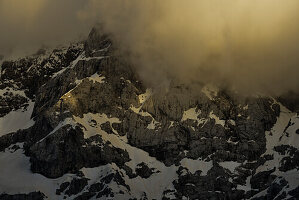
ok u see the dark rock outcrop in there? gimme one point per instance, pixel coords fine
(67, 151)
(76, 186)
(29, 196)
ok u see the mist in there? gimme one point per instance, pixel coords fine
(26, 26)
(250, 46)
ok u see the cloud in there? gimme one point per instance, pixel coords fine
(251, 46)
(27, 25)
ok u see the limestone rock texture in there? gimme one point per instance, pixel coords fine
(77, 122)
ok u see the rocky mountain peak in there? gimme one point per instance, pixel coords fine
(98, 132)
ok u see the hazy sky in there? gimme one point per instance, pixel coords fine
(251, 45)
(26, 25)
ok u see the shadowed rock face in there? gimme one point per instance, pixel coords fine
(22, 79)
(290, 100)
(32, 195)
(92, 109)
(98, 44)
(67, 151)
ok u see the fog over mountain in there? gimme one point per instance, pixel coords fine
(29, 25)
(248, 45)
(149, 99)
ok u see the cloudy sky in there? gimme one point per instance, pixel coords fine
(27, 25)
(251, 45)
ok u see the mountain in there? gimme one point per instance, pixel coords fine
(77, 122)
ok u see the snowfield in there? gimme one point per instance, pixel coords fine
(16, 177)
(16, 120)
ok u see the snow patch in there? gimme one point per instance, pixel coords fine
(101, 50)
(11, 90)
(143, 97)
(94, 58)
(16, 176)
(290, 137)
(171, 124)
(217, 119)
(230, 165)
(153, 124)
(97, 78)
(194, 165)
(135, 110)
(16, 120)
(276, 136)
(92, 123)
(282, 133)
(193, 115)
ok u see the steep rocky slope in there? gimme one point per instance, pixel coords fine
(78, 123)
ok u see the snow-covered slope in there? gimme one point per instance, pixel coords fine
(16, 176)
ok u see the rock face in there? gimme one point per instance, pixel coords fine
(21, 79)
(290, 100)
(67, 151)
(98, 132)
(31, 196)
